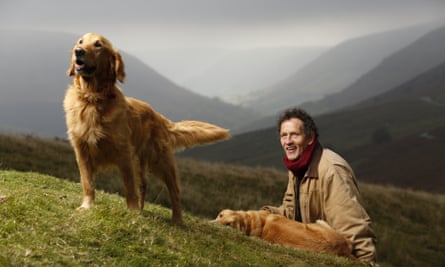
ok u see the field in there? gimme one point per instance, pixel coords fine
(41, 227)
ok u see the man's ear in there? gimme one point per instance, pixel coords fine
(311, 138)
(119, 67)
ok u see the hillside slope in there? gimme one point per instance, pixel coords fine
(408, 224)
(335, 70)
(398, 68)
(40, 227)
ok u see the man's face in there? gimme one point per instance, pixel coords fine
(293, 139)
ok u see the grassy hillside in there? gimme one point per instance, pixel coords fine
(415, 161)
(40, 225)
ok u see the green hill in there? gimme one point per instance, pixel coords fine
(40, 226)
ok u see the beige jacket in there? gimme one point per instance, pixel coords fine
(329, 191)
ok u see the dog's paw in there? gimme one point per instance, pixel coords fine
(81, 208)
(85, 205)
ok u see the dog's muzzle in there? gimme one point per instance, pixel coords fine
(80, 67)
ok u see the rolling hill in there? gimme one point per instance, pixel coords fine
(33, 82)
(41, 227)
(394, 138)
(338, 68)
(418, 57)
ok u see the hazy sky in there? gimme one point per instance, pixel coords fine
(132, 25)
(181, 37)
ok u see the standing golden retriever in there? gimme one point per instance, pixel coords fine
(107, 128)
(318, 237)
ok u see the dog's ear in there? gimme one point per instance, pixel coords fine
(119, 68)
(70, 71)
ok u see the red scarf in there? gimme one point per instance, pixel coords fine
(299, 166)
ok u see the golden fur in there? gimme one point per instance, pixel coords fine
(318, 237)
(107, 128)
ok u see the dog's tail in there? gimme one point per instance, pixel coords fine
(185, 134)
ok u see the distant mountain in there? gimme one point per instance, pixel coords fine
(33, 82)
(423, 54)
(334, 70)
(246, 70)
(397, 137)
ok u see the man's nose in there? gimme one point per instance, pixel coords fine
(288, 139)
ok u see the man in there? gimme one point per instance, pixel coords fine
(321, 185)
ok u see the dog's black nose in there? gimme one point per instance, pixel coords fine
(79, 52)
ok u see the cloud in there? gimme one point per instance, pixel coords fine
(232, 23)
(175, 36)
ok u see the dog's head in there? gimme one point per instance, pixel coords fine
(94, 56)
(232, 218)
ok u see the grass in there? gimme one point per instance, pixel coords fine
(40, 227)
(39, 224)
(28, 153)
(409, 225)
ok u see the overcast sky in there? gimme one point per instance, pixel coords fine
(181, 37)
(224, 23)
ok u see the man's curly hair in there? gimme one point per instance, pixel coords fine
(308, 122)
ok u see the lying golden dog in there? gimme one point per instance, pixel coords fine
(107, 128)
(318, 237)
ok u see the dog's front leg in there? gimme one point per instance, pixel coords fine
(87, 171)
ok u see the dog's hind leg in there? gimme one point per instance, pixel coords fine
(165, 169)
(141, 185)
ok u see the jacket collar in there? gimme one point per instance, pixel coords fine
(312, 171)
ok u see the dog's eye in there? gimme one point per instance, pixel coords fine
(80, 41)
(97, 44)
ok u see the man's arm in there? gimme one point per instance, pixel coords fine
(345, 213)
